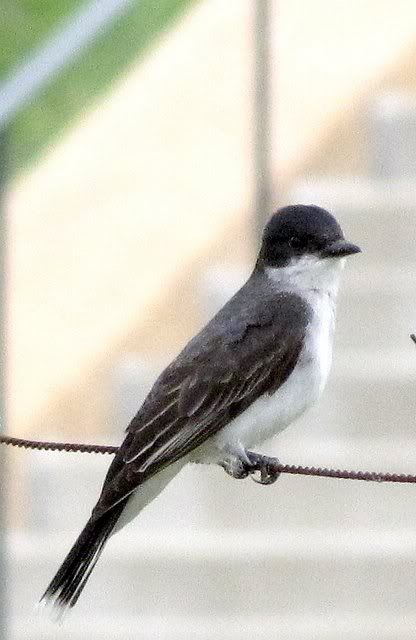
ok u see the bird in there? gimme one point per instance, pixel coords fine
(257, 366)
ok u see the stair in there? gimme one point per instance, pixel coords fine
(327, 627)
(219, 575)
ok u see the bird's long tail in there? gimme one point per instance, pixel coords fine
(67, 585)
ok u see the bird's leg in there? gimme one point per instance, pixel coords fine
(235, 462)
(267, 466)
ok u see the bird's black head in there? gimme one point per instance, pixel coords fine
(299, 230)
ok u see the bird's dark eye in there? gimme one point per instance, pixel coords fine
(296, 243)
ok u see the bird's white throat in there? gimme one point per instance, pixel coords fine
(309, 273)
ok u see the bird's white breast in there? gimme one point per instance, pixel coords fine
(270, 414)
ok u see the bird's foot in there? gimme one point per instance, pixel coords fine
(236, 467)
(265, 465)
(239, 467)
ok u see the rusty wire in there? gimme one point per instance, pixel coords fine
(323, 472)
(69, 447)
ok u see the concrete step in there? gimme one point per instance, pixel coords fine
(376, 214)
(376, 308)
(269, 572)
(329, 626)
(376, 319)
(391, 135)
(369, 393)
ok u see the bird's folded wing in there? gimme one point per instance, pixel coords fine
(195, 397)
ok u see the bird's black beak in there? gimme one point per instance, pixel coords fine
(340, 249)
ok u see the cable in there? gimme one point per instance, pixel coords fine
(69, 447)
(344, 474)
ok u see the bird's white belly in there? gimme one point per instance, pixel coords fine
(270, 414)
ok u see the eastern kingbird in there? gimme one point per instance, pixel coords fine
(254, 368)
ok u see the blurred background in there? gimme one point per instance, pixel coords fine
(142, 147)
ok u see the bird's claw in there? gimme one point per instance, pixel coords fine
(266, 477)
(266, 466)
(252, 464)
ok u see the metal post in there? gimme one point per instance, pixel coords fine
(3, 568)
(262, 119)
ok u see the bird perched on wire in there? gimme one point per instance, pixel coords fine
(252, 370)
